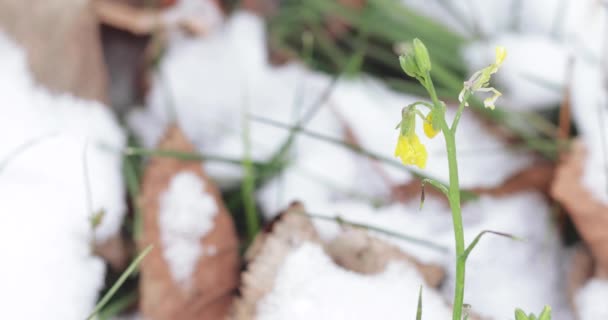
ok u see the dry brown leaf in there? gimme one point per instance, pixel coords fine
(266, 255)
(538, 176)
(589, 215)
(61, 39)
(115, 251)
(356, 250)
(210, 293)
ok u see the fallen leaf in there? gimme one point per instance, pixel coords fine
(589, 215)
(210, 293)
(358, 251)
(61, 38)
(266, 255)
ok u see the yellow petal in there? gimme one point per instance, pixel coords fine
(501, 54)
(411, 151)
(429, 131)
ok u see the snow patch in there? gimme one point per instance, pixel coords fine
(310, 285)
(47, 141)
(519, 274)
(591, 300)
(186, 215)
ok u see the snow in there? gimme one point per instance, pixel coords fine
(210, 85)
(185, 217)
(310, 286)
(591, 300)
(519, 274)
(589, 100)
(47, 143)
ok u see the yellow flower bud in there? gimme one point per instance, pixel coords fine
(501, 54)
(411, 151)
(429, 130)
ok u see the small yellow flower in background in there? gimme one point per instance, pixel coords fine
(429, 131)
(480, 80)
(411, 151)
(501, 54)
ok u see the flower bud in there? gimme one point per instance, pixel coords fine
(408, 64)
(422, 57)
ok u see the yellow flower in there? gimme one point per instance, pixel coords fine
(480, 80)
(501, 54)
(429, 131)
(411, 151)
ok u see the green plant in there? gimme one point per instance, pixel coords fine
(416, 63)
(544, 315)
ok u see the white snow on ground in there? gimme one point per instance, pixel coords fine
(186, 215)
(591, 300)
(310, 285)
(210, 84)
(52, 273)
(590, 111)
(504, 274)
(518, 274)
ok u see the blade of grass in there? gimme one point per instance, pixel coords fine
(123, 277)
(114, 308)
(248, 185)
(414, 240)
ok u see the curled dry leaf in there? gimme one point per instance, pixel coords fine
(356, 250)
(209, 293)
(61, 39)
(115, 251)
(588, 214)
(266, 255)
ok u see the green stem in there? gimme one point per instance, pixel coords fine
(463, 103)
(453, 198)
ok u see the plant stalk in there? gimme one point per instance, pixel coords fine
(449, 134)
(454, 200)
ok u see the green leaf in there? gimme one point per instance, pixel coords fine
(520, 315)
(545, 314)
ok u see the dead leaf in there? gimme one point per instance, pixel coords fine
(114, 251)
(61, 38)
(210, 293)
(589, 215)
(266, 255)
(356, 250)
